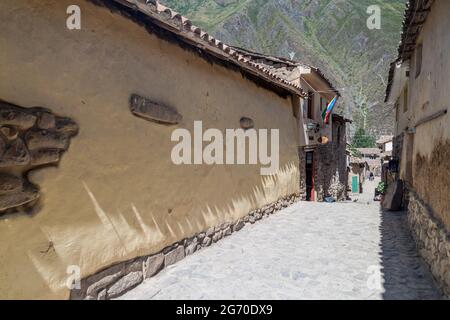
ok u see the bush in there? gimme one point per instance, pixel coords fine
(361, 139)
(381, 188)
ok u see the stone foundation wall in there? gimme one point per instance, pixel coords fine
(432, 240)
(398, 146)
(302, 171)
(116, 280)
(331, 175)
(331, 172)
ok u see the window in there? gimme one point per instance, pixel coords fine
(418, 59)
(311, 105)
(309, 158)
(405, 99)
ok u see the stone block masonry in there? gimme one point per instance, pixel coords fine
(331, 172)
(432, 239)
(116, 280)
(302, 161)
(149, 110)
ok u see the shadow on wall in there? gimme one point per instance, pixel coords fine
(136, 231)
(406, 276)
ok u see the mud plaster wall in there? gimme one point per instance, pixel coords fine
(432, 180)
(116, 194)
(428, 94)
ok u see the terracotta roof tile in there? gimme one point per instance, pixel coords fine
(369, 150)
(385, 139)
(280, 67)
(357, 160)
(183, 27)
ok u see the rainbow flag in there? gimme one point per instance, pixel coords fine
(327, 112)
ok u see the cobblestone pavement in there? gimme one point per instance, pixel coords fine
(308, 251)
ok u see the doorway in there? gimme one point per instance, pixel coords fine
(310, 176)
(355, 184)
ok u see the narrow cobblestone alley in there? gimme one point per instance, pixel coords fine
(308, 251)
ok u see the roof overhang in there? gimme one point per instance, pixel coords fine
(294, 70)
(151, 13)
(398, 78)
(416, 15)
(315, 79)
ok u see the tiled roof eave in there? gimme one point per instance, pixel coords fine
(183, 28)
(416, 15)
(290, 64)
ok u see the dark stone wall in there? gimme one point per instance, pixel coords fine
(331, 166)
(302, 162)
(397, 146)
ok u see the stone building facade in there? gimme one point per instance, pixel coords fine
(322, 146)
(302, 173)
(331, 173)
(327, 164)
(357, 174)
(419, 90)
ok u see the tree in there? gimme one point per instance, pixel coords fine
(361, 139)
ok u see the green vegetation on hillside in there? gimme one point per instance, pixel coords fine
(362, 139)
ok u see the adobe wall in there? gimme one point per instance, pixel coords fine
(116, 194)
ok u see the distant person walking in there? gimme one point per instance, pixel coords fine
(371, 176)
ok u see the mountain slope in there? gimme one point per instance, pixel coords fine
(329, 34)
